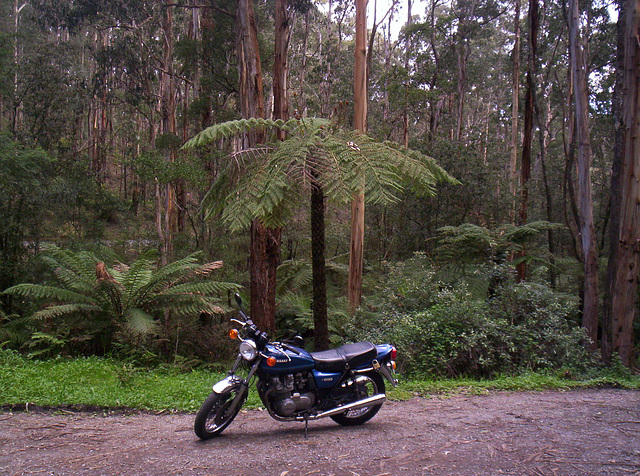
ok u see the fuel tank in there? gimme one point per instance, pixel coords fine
(287, 361)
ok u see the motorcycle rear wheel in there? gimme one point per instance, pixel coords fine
(372, 384)
(216, 414)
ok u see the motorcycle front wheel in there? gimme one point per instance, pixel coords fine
(216, 413)
(366, 385)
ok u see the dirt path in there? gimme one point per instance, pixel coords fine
(589, 432)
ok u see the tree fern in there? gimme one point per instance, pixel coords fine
(130, 297)
(341, 162)
(473, 244)
(316, 156)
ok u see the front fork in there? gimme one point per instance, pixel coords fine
(231, 380)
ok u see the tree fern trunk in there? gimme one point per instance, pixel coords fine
(319, 305)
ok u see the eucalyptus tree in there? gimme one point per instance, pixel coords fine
(623, 276)
(582, 140)
(361, 100)
(527, 140)
(319, 160)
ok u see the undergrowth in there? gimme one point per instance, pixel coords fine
(103, 384)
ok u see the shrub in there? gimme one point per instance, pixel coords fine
(524, 327)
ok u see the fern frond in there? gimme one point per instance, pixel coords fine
(467, 240)
(51, 293)
(139, 322)
(523, 233)
(191, 305)
(136, 277)
(83, 263)
(204, 288)
(52, 312)
(74, 281)
(233, 129)
(439, 174)
(174, 271)
(110, 292)
(293, 275)
(263, 193)
(208, 268)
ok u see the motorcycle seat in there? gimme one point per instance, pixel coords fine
(346, 356)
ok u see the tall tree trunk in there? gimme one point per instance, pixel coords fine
(588, 241)
(628, 260)
(463, 50)
(99, 120)
(405, 112)
(356, 257)
(386, 106)
(525, 165)
(265, 242)
(515, 106)
(281, 63)
(301, 103)
(249, 64)
(16, 120)
(543, 138)
(168, 129)
(606, 341)
(326, 85)
(435, 104)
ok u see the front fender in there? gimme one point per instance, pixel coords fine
(226, 383)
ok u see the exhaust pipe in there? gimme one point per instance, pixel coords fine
(365, 402)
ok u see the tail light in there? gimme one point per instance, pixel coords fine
(394, 353)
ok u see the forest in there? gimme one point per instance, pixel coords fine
(458, 177)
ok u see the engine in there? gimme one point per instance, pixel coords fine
(290, 394)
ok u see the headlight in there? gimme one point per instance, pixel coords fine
(248, 350)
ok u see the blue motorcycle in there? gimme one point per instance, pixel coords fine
(345, 384)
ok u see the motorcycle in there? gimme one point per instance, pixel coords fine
(345, 384)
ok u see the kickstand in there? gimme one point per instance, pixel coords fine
(306, 425)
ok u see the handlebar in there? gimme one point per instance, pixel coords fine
(260, 337)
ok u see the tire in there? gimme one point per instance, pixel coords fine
(214, 415)
(369, 384)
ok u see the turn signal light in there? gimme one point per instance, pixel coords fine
(394, 353)
(271, 361)
(233, 333)
(393, 365)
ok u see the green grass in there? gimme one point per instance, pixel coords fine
(101, 383)
(525, 382)
(104, 383)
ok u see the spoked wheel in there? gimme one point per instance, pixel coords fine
(216, 413)
(366, 385)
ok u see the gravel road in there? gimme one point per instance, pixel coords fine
(584, 432)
